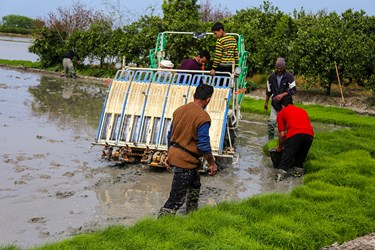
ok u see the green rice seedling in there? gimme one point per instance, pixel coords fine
(353, 169)
(317, 191)
(233, 239)
(244, 209)
(9, 248)
(337, 142)
(215, 218)
(176, 234)
(20, 63)
(338, 116)
(254, 106)
(278, 232)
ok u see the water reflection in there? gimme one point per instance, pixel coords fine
(46, 140)
(135, 198)
(76, 98)
(16, 48)
(68, 89)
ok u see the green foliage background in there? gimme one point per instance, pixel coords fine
(17, 24)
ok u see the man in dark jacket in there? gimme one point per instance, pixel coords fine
(68, 63)
(188, 140)
(280, 83)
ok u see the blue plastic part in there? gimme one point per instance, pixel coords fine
(123, 112)
(143, 112)
(102, 114)
(198, 79)
(182, 79)
(162, 77)
(225, 120)
(221, 81)
(162, 117)
(143, 76)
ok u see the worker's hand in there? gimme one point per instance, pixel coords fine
(79, 62)
(212, 169)
(166, 163)
(266, 105)
(278, 149)
(278, 97)
(212, 72)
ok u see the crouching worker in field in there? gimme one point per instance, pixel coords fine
(295, 137)
(188, 139)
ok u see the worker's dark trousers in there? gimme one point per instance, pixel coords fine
(223, 69)
(295, 151)
(186, 183)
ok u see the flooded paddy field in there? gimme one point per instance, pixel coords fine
(53, 185)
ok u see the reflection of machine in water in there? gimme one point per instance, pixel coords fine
(138, 109)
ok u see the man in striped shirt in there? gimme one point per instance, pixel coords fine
(226, 51)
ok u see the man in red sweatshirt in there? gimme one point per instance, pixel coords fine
(295, 137)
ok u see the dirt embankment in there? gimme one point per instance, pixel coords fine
(357, 99)
(52, 73)
(366, 242)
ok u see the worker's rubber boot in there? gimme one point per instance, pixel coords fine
(275, 157)
(280, 175)
(297, 172)
(192, 200)
(166, 211)
(271, 129)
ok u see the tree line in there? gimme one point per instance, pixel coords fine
(311, 42)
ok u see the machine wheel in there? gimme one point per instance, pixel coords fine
(223, 162)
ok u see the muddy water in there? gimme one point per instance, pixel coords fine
(52, 185)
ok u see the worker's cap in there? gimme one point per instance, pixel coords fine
(280, 63)
(286, 100)
(166, 64)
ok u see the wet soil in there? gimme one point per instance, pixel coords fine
(53, 185)
(366, 242)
